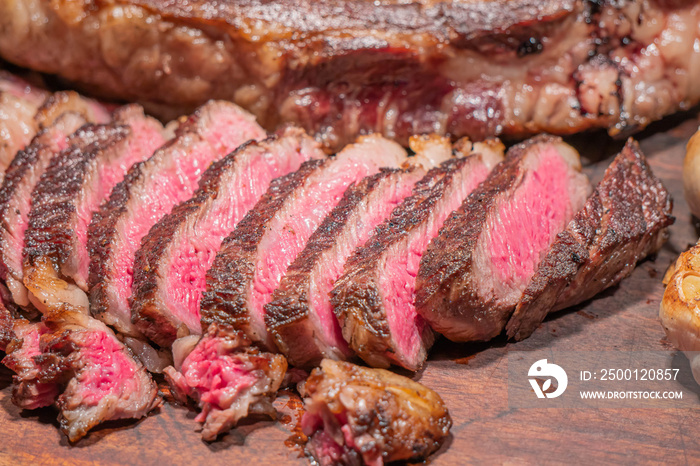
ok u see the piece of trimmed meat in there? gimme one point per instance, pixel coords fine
(74, 185)
(253, 259)
(340, 68)
(19, 102)
(355, 415)
(373, 299)
(28, 391)
(149, 191)
(60, 115)
(102, 380)
(624, 221)
(474, 272)
(228, 378)
(300, 316)
(171, 266)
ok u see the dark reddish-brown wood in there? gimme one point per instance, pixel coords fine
(472, 379)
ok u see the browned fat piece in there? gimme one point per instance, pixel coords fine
(624, 221)
(475, 270)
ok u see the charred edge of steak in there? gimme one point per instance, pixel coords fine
(145, 312)
(627, 214)
(286, 316)
(228, 280)
(449, 255)
(50, 232)
(378, 415)
(356, 297)
(6, 324)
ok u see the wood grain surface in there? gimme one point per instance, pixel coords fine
(472, 379)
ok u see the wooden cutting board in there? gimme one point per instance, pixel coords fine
(471, 378)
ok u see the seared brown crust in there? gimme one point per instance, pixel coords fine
(356, 297)
(229, 278)
(623, 222)
(449, 257)
(24, 161)
(53, 212)
(6, 332)
(287, 314)
(145, 312)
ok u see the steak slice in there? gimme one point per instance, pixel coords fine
(624, 221)
(475, 270)
(28, 390)
(148, 192)
(300, 316)
(228, 378)
(355, 415)
(74, 185)
(373, 299)
(253, 259)
(61, 114)
(340, 68)
(102, 380)
(171, 266)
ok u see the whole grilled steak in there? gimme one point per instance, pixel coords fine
(74, 185)
(475, 270)
(300, 316)
(228, 378)
(61, 114)
(100, 380)
(148, 192)
(19, 103)
(373, 298)
(340, 68)
(355, 415)
(624, 221)
(253, 259)
(171, 266)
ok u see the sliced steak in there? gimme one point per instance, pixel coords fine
(100, 379)
(228, 379)
(373, 299)
(624, 221)
(253, 259)
(171, 266)
(355, 415)
(60, 115)
(74, 185)
(28, 390)
(475, 270)
(300, 316)
(149, 191)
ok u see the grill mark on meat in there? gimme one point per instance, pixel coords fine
(148, 192)
(246, 270)
(247, 380)
(363, 297)
(292, 317)
(60, 115)
(624, 221)
(474, 271)
(163, 300)
(73, 186)
(300, 315)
